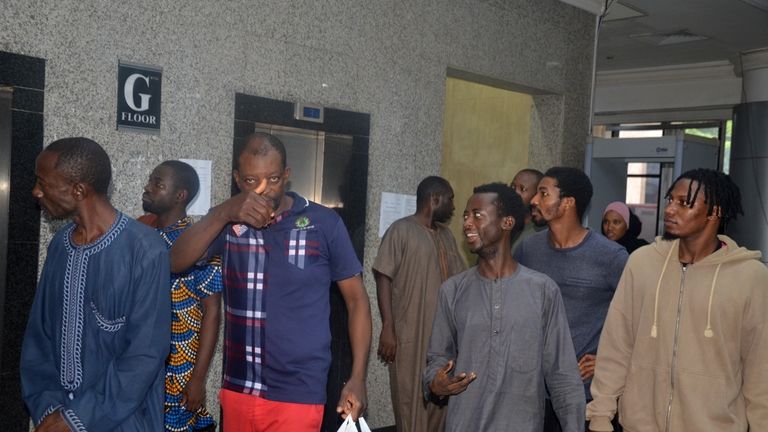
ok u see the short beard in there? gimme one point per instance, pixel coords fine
(669, 236)
(442, 218)
(539, 222)
(487, 254)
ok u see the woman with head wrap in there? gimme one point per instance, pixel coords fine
(622, 226)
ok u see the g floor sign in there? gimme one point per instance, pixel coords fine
(139, 97)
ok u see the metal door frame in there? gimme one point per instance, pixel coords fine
(6, 98)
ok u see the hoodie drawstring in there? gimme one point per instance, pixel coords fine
(658, 286)
(708, 331)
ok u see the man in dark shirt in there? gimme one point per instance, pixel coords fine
(585, 265)
(280, 253)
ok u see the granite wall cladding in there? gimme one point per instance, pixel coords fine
(386, 58)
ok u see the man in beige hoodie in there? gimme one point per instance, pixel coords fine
(685, 344)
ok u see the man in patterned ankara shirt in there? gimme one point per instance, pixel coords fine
(196, 297)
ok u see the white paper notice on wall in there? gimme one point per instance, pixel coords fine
(393, 207)
(202, 202)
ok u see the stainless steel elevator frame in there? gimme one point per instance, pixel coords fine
(6, 98)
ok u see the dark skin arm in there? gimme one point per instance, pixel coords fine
(353, 400)
(587, 366)
(388, 339)
(53, 422)
(445, 385)
(194, 392)
(247, 207)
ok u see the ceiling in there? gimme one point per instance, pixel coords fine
(673, 32)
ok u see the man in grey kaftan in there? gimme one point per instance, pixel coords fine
(504, 326)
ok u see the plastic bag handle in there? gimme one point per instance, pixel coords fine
(363, 425)
(349, 425)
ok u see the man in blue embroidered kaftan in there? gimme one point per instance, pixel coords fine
(99, 330)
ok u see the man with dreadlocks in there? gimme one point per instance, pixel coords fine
(685, 343)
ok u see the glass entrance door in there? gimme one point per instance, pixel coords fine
(647, 182)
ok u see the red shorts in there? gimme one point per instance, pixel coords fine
(247, 413)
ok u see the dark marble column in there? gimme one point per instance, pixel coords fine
(26, 75)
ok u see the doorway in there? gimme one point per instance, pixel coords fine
(646, 184)
(639, 171)
(486, 138)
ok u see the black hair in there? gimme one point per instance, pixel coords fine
(429, 187)
(573, 183)
(507, 202)
(83, 161)
(273, 143)
(719, 191)
(184, 177)
(635, 226)
(534, 172)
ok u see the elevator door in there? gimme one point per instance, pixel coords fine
(304, 149)
(319, 162)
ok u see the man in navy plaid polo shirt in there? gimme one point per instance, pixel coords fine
(280, 253)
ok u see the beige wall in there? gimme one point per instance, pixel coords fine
(486, 138)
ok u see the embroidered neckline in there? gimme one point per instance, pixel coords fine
(73, 294)
(101, 242)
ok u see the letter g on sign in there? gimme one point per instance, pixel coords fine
(128, 93)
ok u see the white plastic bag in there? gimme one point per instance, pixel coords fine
(349, 425)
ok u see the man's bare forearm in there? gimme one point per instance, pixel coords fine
(193, 243)
(209, 334)
(359, 311)
(384, 297)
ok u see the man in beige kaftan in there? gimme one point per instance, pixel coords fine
(417, 254)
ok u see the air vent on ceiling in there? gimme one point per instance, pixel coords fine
(673, 38)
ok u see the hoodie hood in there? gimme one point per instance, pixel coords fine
(706, 363)
(728, 253)
(731, 252)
